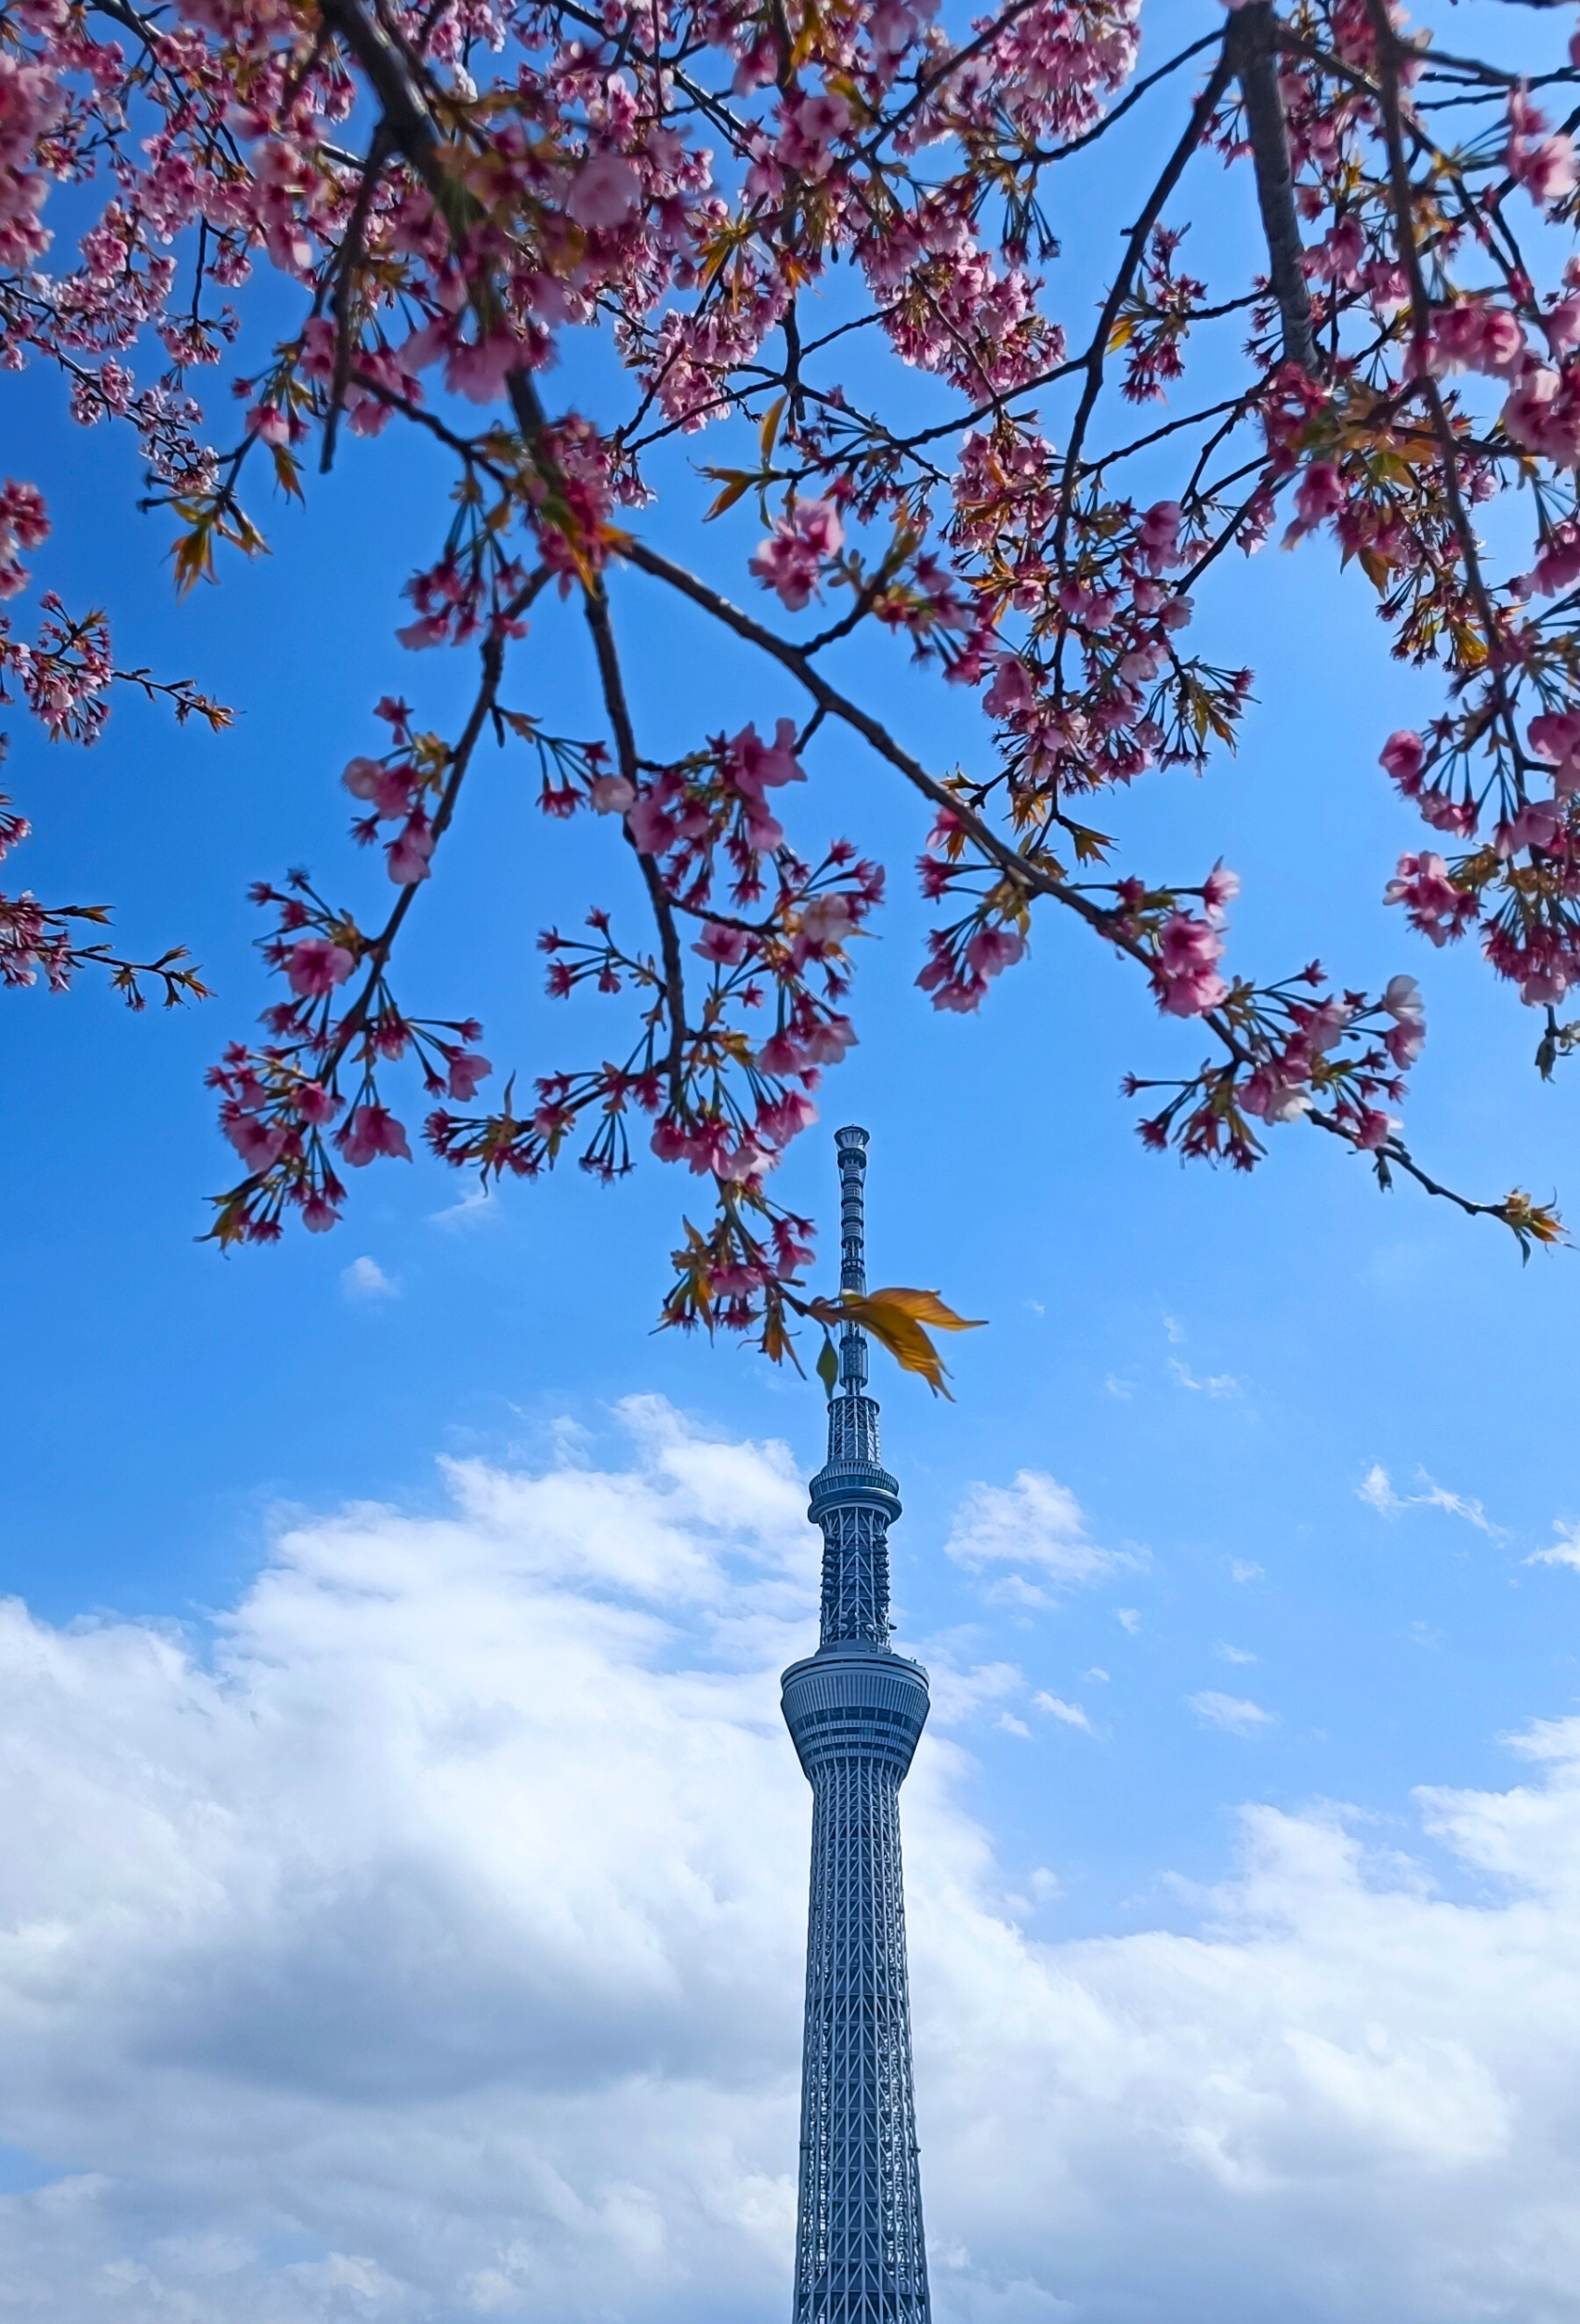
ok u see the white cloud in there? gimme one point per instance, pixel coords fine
(1229, 1710)
(1034, 1522)
(480, 1206)
(433, 1952)
(1244, 1569)
(960, 1696)
(1215, 1384)
(1129, 1618)
(1070, 1714)
(1565, 1551)
(1376, 1490)
(1233, 1653)
(1120, 1388)
(366, 1279)
(1174, 1329)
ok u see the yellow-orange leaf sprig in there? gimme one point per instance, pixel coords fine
(898, 1318)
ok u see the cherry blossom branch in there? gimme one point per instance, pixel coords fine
(673, 192)
(1251, 43)
(1132, 97)
(1390, 54)
(1202, 113)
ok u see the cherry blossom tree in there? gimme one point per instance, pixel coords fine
(738, 199)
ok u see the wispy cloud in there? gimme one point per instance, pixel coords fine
(1036, 1524)
(1215, 1384)
(1233, 1653)
(1129, 1618)
(1244, 1569)
(959, 1696)
(1565, 1551)
(1231, 1711)
(366, 1279)
(1117, 1387)
(1175, 1329)
(480, 1206)
(1377, 1489)
(1069, 1714)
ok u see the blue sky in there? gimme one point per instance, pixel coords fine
(1214, 1370)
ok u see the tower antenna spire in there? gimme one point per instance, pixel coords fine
(851, 1147)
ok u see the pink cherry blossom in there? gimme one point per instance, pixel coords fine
(1157, 537)
(1186, 979)
(1403, 755)
(604, 191)
(1402, 998)
(1220, 886)
(1543, 164)
(1432, 902)
(316, 965)
(409, 855)
(259, 1143)
(371, 1132)
(611, 794)
(1373, 1128)
(1274, 1099)
(727, 947)
(792, 559)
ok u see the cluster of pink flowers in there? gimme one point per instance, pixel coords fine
(963, 960)
(24, 525)
(31, 101)
(1543, 164)
(791, 561)
(278, 1104)
(1186, 979)
(673, 815)
(1432, 902)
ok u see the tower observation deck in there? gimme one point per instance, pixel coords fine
(855, 1710)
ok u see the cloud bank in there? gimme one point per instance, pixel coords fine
(431, 1949)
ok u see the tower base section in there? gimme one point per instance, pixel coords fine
(855, 1716)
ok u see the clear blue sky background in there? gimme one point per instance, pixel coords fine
(1212, 1366)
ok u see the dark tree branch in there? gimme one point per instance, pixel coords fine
(1252, 47)
(1202, 113)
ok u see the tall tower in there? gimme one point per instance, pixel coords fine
(855, 1710)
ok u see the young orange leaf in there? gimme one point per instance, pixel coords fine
(925, 1307)
(735, 482)
(896, 1317)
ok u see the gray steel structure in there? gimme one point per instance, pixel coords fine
(855, 1709)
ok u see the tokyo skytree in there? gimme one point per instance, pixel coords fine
(855, 1710)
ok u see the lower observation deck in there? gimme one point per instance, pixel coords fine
(852, 1701)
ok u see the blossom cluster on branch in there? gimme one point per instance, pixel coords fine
(739, 197)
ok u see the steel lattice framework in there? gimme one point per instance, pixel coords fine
(855, 1710)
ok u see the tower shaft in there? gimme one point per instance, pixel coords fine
(855, 1710)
